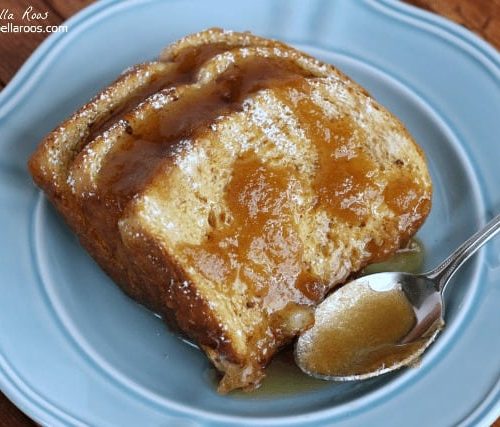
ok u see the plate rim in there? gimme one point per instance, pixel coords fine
(360, 404)
(33, 69)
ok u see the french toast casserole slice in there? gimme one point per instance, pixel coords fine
(231, 185)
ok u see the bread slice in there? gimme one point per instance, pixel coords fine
(239, 194)
(50, 164)
(178, 63)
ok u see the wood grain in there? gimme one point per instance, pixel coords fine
(480, 16)
(67, 8)
(15, 48)
(10, 416)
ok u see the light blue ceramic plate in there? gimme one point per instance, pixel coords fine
(75, 351)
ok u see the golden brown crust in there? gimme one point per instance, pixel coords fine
(53, 156)
(159, 283)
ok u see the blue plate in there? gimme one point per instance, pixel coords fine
(75, 351)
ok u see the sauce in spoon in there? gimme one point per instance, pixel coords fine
(358, 332)
(383, 321)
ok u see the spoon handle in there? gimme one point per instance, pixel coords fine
(442, 274)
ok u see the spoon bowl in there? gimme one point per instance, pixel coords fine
(383, 321)
(422, 293)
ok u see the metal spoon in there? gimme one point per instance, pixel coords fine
(422, 293)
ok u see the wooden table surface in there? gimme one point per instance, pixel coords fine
(480, 16)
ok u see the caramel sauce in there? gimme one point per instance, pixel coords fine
(404, 196)
(184, 67)
(410, 204)
(310, 286)
(353, 337)
(344, 179)
(127, 171)
(260, 247)
(190, 60)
